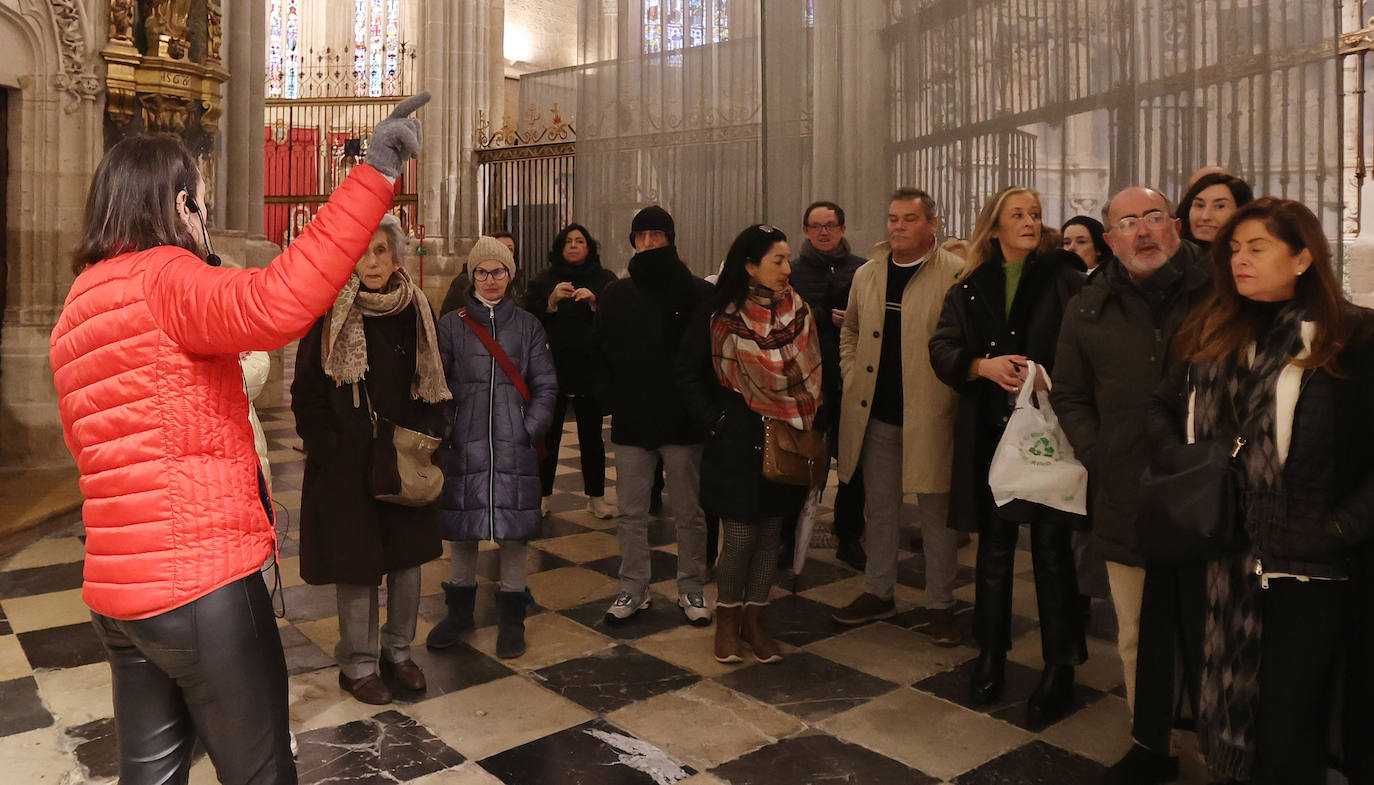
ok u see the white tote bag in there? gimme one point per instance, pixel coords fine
(1034, 460)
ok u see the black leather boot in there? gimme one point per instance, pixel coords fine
(989, 677)
(1052, 699)
(510, 623)
(450, 629)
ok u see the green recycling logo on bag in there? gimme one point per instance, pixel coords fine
(1040, 448)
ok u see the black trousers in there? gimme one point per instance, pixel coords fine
(1173, 609)
(1303, 634)
(1056, 590)
(213, 668)
(849, 508)
(1359, 676)
(587, 410)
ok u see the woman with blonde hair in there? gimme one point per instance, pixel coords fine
(1002, 314)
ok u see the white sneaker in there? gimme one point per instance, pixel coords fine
(600, 508)
(544, 506)
(625, 606)
(693, 606)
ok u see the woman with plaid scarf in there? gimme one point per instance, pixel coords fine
(755, 355)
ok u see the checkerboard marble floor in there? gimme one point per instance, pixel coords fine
(643, 702)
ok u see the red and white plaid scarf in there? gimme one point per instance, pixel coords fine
(766, 350)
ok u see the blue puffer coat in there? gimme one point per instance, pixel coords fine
(490, 426)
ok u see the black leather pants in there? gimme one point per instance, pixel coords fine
(1056, 590)
(213, 668)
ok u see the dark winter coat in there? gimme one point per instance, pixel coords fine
(491, 475)
(732, 483)
(1328, 475)
(571, 327)
(346, 535)
(823, 281)
(640, 324)
(974, 324)
(1113, 349)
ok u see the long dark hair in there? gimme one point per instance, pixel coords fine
(1095, 231)
(1240, 192)
(132, 202)
(561, 240)
(1227, 323)
(749, 247)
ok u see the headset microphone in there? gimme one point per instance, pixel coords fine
(210, 257)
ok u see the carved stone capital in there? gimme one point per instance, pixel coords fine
(77, 78)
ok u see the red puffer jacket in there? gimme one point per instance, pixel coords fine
(145, 359)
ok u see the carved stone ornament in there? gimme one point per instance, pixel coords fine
(77, 79)
(214, 30)
(166, 24)
(122, 14)
(165, 113)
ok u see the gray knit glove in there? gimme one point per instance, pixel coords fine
(396, 139)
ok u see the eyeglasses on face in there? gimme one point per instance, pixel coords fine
(482, 274)
(1130, 225)
(825, 227)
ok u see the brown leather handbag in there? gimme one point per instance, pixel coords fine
(794, 457)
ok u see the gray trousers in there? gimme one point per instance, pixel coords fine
(634, 480)
(882, 465)
(513, 558)
(357, 649)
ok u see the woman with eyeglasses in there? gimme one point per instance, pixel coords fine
(497, 360)
(1278, 356)
(755, 355)
(1002, 314)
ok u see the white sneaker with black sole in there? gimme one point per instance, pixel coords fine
(600, 508)
(626, 605)
(693, 606)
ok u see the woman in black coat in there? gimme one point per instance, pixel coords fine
(754, 356)
(375, 351)
(1278, 356)
(564, 297)
(1007, 310)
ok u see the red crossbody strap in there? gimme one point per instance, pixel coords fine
(498, 354)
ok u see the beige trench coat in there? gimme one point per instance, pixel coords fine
(928, 413)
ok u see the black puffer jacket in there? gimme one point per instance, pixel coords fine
(1113, 349)
(823, 281)
(570, 328)
(974, 324)
(1328, 476)
(640, 325)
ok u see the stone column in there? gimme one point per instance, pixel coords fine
(241, 137)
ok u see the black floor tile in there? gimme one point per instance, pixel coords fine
(799, 621)
(594, 753)
(614, 678)
(536, 560)
(662, 566)
(806, 685)
(433, 607)
(555, 526)
(23, 709)
(912, 572)
(40, 580)
(814, 573)
(5, 628)
(1020, 681)
(562, 501)
(308, 603)
(387, 748)
(818, 759)
(918, 620)
(456, 668)
(62, 647)
(662, 614)
(302, 655)
(1037, 763)
(97, 747)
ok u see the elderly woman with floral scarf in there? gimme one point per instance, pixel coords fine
(375, 351)
(754, 356)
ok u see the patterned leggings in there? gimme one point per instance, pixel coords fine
(748, 561)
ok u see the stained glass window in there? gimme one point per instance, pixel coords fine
(720, 21)
(360, 17)
(653, 27)
(810, 13)
(283, 52)
(672, 25)
(376, 47)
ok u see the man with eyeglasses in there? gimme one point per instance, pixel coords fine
(822, 274)
(1113, 348)
(640, 321)
(897, 417)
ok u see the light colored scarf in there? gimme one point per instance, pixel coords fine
(344, 345)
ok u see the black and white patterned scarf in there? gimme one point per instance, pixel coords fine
(1236, 395)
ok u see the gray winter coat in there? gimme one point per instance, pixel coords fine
(491, 475)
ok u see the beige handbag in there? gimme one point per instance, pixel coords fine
(794, 457)
(402, 467)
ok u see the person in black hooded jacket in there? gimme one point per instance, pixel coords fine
(640, 323)
(564, 297)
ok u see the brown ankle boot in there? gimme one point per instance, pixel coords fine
(756, 635)
(728, 647)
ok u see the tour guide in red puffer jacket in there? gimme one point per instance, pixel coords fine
(145, 360)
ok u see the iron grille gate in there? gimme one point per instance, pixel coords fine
(525, 184)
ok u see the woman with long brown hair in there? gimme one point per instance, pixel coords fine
(1279, 357)
(1004, 313)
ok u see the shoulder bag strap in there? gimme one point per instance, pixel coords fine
(498, 354)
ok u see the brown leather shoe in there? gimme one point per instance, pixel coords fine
(756, 635)
(728, 647)
(368, 689)
(405, 675)
(867, 607)
(943, 629)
